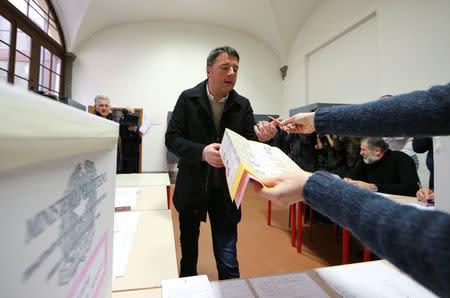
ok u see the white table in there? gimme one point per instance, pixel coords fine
(152, 257)
(150, 198)
(147, 293)
(145, 179)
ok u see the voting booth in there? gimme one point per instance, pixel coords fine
(57, 188)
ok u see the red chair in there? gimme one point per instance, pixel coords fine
(292, 222)
(346, 247)
(291, 219)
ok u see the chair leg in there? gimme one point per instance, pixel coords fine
(366, 254)
(293, 225)
(345, 245)
(304, 214)
(335, 232)
(269, 212)
(310, 222)
(168, 196)
(290, 210)
(299, 232)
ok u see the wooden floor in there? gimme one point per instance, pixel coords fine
(264, 249)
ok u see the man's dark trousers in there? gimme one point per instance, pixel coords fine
(224, 236)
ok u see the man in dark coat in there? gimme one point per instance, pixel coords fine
(103, 109)
(383, 170)
(194, 133)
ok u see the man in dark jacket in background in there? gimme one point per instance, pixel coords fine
(131, 139)
(103, 109)
(194, 133)
(383, 170)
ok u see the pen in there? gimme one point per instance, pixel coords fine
(274, 119)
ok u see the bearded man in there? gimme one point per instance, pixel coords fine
(383, 170)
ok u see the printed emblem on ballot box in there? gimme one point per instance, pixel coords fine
(75, 215)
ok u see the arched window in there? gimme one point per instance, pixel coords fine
(32, 46)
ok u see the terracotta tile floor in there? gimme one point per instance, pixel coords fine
(264, 249)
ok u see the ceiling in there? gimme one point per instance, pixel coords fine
(273, 22)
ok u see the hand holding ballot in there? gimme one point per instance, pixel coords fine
(244, 159)
(284, 190)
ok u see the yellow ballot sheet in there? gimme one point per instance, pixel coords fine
(245, 160)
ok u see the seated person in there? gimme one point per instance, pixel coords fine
(384, 170)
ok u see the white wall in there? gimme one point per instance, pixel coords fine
(347, 63)
(147, 65)
(413, 44)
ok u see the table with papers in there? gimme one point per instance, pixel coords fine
(145, 179)
(368, 279)
(141, 198)
(151, 257)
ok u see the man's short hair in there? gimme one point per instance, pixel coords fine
(100, 97)
(373, 143)
(217, 51)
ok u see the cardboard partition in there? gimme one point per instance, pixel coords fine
(57, 187)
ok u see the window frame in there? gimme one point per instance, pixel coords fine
(39, 38)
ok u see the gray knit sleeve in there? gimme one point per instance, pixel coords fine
(415, 241)
(416, 114)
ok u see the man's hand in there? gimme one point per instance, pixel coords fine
(266, 130)
(361, 184)
(299, 123)
(284, 190)
(425, 194)
(212, 156)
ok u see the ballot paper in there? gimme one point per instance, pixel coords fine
(148, 122)
(235, 288)
(287, 285)
(245, 160)
(194, 286)
(125, 224)
(418, 205)
(126, 197)
(145, 127)
(371, 279)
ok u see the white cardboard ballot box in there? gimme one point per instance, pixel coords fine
(57, 188)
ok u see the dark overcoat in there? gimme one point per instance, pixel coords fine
(190, 129)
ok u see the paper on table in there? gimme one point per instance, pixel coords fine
(126, 197)
(422, 207)
(193, 286)
(287, 285)
(231, 289)
(371, 279)
(124, 231)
